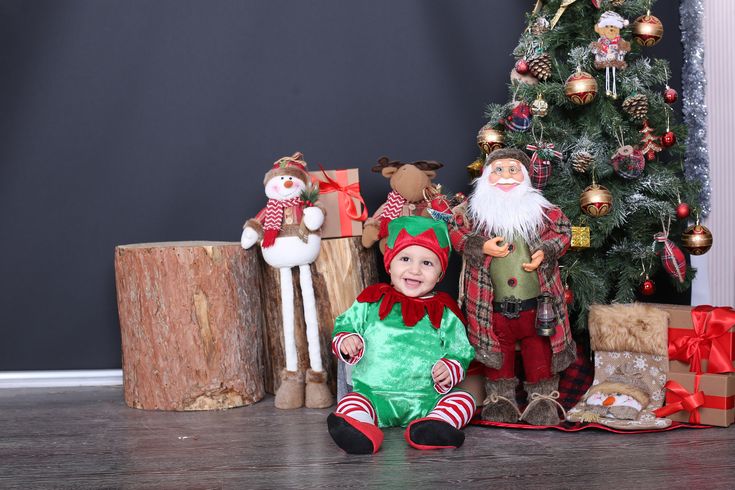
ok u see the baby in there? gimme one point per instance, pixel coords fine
(409, 349)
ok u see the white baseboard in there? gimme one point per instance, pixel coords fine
(57, 379)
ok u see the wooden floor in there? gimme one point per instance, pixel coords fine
(88, 438)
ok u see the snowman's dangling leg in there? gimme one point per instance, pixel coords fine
(614, 84)
(310, 316)
(318, 393)
(289, 339)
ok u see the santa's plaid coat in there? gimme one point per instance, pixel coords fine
(477, 289)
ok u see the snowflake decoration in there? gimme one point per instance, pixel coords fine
(598, 361)
(627, 355)
(656, 395)
(614, 355)
(640, 363)
(657, 358)
(647, 417)
(609, 369)
(654, 371)
(662, 378)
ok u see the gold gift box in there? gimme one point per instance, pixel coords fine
(580, 237)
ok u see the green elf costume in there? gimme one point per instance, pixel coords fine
(403, 339)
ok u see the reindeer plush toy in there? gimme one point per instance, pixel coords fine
(288, 228)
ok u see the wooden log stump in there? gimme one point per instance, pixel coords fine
(343, 269)
(191, 325)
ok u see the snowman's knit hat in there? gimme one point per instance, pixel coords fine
(293, 166)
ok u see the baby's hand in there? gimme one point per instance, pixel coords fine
(440, 374)
(351, 346)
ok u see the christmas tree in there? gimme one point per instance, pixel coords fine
(594, 113)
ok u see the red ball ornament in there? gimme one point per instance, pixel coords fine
(668, 139)
(568, 296)
(648, 287)
(682, 210)
(670, 95)
(522, 67)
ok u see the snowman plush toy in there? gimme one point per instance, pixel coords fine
(288, 231)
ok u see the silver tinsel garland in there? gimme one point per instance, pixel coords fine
(696, 162)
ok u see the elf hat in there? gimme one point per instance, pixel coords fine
(612, 19)
(293, 166)
(417, 230)
(513, 153)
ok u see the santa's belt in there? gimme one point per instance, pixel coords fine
(512, 307)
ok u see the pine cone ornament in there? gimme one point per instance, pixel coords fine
(636, 106)
(581, 161)
(617, 3)
(540, 66)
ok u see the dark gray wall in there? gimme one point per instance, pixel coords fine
(132, 121)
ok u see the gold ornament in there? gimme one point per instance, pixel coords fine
(596, 200)
(489, 139)
(475, 168)
(697, 239)
(647, 30)
(539, 107)
(580, 87)
(580, 237)
(540, 66)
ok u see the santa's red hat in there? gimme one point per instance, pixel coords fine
(293, 166)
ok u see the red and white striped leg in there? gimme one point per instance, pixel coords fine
(353, 426)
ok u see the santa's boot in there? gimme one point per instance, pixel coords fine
(318, 394)
(500, 402)
(291, 392)
(542, 406)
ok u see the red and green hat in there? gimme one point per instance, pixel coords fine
(417, 230)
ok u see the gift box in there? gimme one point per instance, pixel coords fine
(707, 399)
(339, 193)
(580, 237)
(701, 339)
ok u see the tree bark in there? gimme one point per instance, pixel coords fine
(343, 269)
(191, 325)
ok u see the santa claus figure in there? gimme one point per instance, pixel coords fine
(288, 228)
(511, 239)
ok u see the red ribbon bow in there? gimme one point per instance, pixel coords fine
(348, 191)
(683, 400)
(544, 150)
(709, 324)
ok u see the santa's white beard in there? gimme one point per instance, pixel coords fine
(512, 214)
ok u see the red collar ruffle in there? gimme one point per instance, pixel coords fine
(412, 309)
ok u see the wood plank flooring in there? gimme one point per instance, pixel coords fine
(87, 438)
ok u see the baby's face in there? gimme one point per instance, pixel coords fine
(414, 271)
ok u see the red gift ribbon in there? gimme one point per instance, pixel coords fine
(710, 324)
(683, 400)
(346, 192)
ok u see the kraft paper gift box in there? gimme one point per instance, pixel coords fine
(707, 399)
(339, 193)
(701, 339)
